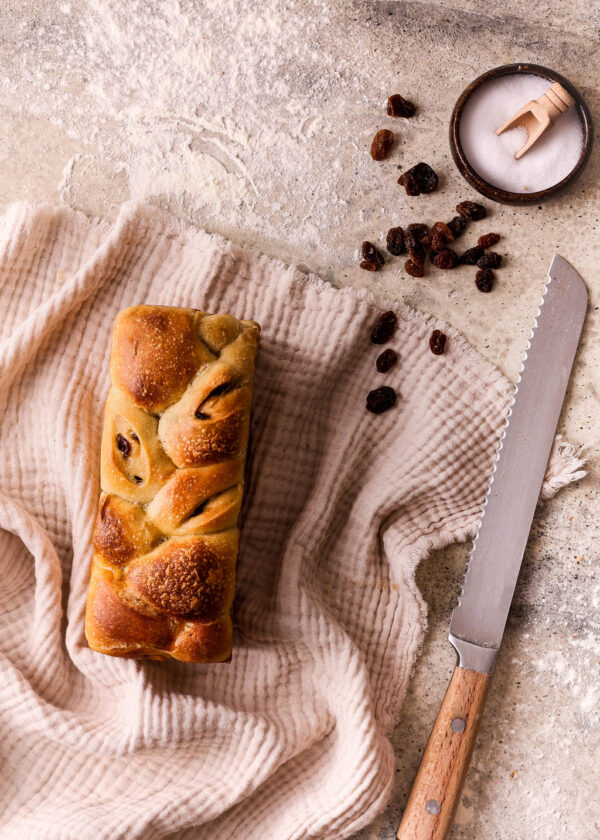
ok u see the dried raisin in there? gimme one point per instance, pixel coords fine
(384, 327)
(395, 241)
(370, 253)
(426, 177)
(484, 280)
(123, 446)
(221, 389)
(386, 360)
(438, 242)
(398, 106)
(381, 399)
(381, 144)
(442, 229)
(457, 225)
(489, 260)
(471, 255)
(419, 179)
(413, 269)
(445, 259)
(417, 253)
(418, 230)
(471, 210)
(372, 259)
(414, 246)
(437, 342)
(488, 240)
(409, 182)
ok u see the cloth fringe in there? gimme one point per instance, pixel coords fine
(564, 467)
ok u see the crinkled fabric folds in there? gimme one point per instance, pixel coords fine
(289, 740)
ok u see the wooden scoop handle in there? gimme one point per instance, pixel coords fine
(555, 101)
(435, 794)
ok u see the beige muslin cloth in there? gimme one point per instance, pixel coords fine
(290, 739)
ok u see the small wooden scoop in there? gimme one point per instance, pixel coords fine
(539, 114)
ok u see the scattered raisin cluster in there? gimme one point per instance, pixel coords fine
(383, 398)
(419, 241)
(397, 106)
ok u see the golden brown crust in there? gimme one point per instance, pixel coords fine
(188, 577)
(217, 331)
(172, 463)
(207, 431)
(156, 351)
(122, 531)
(210, 642)
(112, 626)
(201, 498)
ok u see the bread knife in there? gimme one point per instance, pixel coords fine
(478, 621)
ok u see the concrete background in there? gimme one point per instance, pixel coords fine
(257, 124)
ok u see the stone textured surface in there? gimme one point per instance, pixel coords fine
(304, 87)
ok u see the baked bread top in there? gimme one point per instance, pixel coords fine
(172, 464)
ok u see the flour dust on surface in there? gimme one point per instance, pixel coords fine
(174, 96)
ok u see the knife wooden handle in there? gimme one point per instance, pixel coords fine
(436, 791)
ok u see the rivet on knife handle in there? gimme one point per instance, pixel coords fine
(430, 810)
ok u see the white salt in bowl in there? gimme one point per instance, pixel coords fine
(487, 162)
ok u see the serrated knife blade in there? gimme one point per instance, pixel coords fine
(479, 619)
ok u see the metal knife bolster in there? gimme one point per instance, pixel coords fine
(474, 657)
(479, 619)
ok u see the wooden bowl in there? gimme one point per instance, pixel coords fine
(491, 190)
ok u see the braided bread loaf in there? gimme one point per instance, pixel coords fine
(172, 465)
